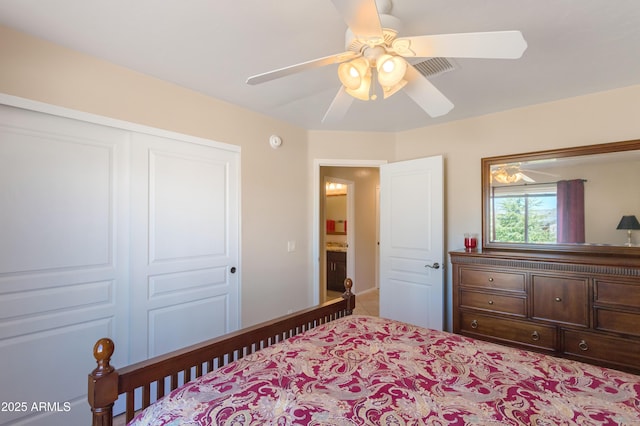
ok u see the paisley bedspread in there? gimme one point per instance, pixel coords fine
(362, 370)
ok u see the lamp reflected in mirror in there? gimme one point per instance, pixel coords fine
(629, 223)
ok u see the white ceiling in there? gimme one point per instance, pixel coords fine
(575, 47)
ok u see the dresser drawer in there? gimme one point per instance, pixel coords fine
(616, 293)
(560, 299)
(617, 321)
(611, 351)
(491, 279)
(509, 331)
(494, 302)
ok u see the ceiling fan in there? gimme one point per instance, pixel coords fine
(509, 173)
(376, 56)
(515, 173)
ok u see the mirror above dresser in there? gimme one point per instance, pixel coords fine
(565, 200)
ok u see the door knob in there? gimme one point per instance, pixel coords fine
(435, 265)
(233, 270)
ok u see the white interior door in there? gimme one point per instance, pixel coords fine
(184, 239)
(63, 261)
(411, 242)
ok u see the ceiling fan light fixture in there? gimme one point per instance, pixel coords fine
(352, 73)
(391, 70)
(509, 174)
(502, 176)
(363, 91)
(388, 91)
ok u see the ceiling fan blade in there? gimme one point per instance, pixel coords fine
(361, 17)
(496, 44)
(525, 178)
(426, 94)
(293, 69)
(339, 107)
(540, 172)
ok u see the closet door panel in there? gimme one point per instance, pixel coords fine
(187, 207)
(185, 232)
(63, 217)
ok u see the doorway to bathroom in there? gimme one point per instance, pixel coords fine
(355, 239)
(338, 235)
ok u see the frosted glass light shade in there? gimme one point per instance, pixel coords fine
(362, 92)
(352, 73)
(391, 70)
(388, 91)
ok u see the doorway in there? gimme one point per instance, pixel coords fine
(362, 227)
(338, 236)
(428, 184)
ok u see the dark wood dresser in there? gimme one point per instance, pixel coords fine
(579, 306)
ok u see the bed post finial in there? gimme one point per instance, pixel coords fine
(103, 384)
(102, 352)
(347, 295)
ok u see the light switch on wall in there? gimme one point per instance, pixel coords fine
(291, 246)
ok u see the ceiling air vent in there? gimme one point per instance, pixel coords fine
(434, 66)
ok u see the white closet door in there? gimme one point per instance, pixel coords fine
(184, 244)
(107, 232)
(63, 260)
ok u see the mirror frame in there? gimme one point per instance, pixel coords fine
(487, 162)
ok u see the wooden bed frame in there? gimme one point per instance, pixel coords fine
(106, 383)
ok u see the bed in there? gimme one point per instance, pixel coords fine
(367, 370)
(142, 383)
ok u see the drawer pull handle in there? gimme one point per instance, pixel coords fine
(491, 302)
(535, 336)
(558, 299)
(583, 345)
(474, 324)
(490, 279)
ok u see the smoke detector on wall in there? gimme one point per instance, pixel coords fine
(275, 141)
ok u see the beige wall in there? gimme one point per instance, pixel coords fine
(274, 182)
(277, 185)
(597, 118)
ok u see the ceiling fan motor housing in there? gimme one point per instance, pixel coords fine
(391, 26)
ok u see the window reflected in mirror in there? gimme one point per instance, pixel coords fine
(524, 213)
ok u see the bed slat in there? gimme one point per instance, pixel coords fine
(174, 381)
(130, 403)
(159, 388)
(146, 395)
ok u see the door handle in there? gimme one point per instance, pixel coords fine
(435, 265)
